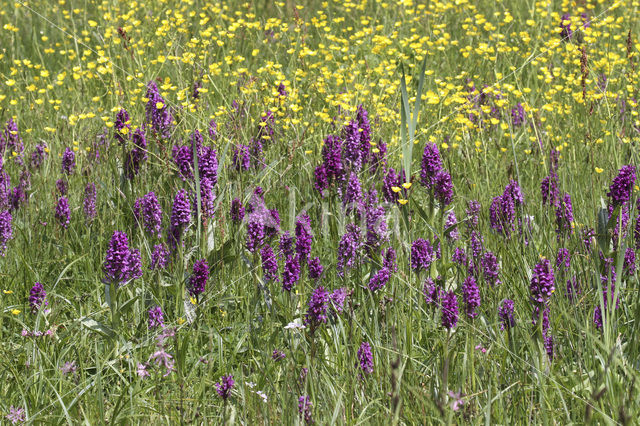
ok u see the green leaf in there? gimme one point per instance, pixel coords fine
(416, 108)
(424, 216)
(602, 236)
(409, 119)
(336, 410)
(98, 327)
(126, 305)
(404, 112)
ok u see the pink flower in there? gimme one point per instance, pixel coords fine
(69, 368)
(163, 359)
(456, 400)
(142, 370)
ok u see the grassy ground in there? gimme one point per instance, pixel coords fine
(502, 84)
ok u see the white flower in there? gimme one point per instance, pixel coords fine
(295, 325)
(262, 395)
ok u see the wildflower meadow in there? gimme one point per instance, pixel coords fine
(330, 212)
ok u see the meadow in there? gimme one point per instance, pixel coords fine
(331, 212)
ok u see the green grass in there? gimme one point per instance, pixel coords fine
(330, 62)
